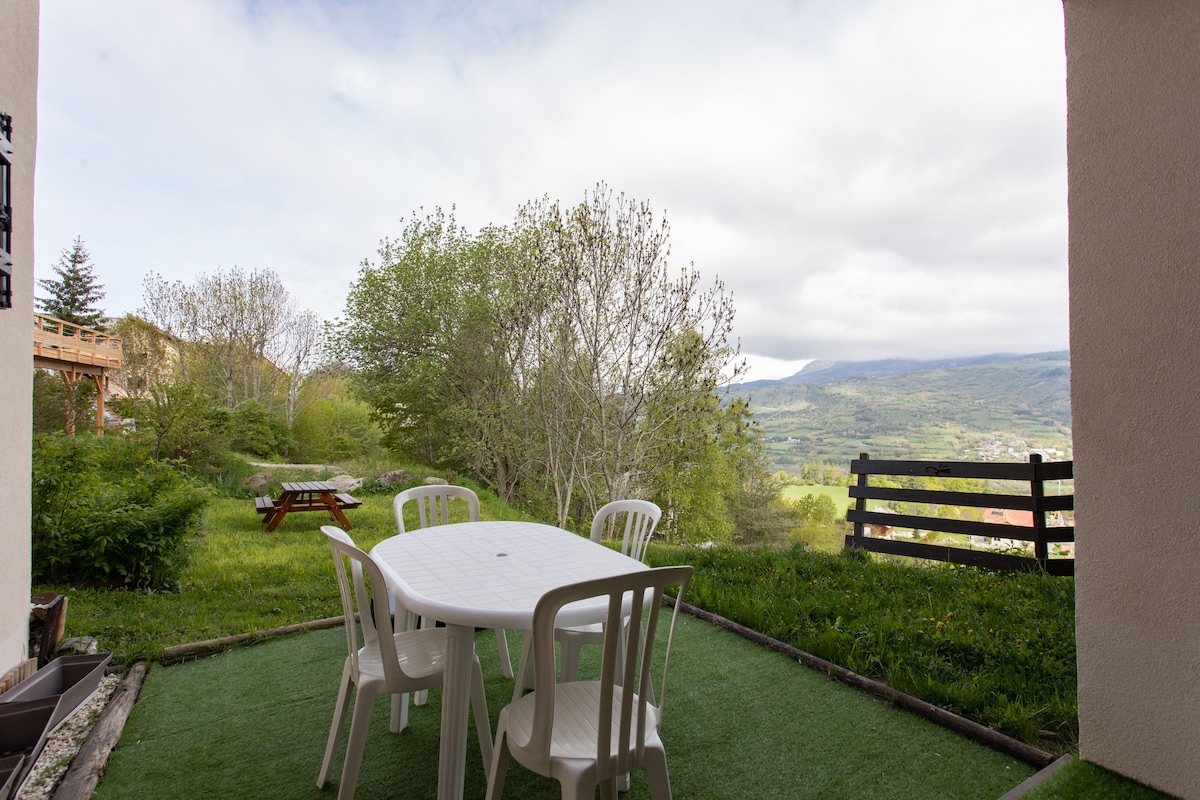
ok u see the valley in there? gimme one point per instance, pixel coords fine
(991, 408)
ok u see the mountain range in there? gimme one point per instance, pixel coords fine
(995, 407)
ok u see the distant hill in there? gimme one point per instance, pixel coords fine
(994, 407)
(827, 372)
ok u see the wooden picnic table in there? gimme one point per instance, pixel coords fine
(305, 496)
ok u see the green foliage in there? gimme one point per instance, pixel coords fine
(253, 428)
(180, 424)
(820, 519)
(334, 428)
(825, 474)
(104, 512)
(73, 296)
(561, 364)
(998, 648)
(51, 396)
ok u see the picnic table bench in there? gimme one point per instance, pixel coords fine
(305, 496)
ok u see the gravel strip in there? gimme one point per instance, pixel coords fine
(65, 742)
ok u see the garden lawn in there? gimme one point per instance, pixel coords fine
(240, 579)
(998, 648)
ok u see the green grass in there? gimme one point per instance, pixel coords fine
(1082, 780)
(840, 495)
(741, 722)
(240, 579)
(998, 648)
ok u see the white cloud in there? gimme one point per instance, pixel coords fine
(869, 179)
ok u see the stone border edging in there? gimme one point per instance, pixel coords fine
(88, 764)
(1015, 748)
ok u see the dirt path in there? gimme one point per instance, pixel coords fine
(314, 467)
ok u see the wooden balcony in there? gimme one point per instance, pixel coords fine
(63, 345)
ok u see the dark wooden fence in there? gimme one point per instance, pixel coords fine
(1035, 474)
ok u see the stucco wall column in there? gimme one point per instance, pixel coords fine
(18, 98)
(1134, 200)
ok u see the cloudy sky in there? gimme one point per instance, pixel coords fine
(869, 178)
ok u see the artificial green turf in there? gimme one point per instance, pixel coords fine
(741, 722)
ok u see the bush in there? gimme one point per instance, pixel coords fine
(181, 425)
(254, 429)
(333, 429)
(104, 512)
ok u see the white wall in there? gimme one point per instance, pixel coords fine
(1134, 201)
(18, 97)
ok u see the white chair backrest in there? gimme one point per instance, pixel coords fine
(643, 592)
(433, 507)
(356, 601)
(641, 518)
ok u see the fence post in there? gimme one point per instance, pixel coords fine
(1037, 490)
(861, 503)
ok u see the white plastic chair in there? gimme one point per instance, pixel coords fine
(641, 517)
(589, 733)
(433, 508)
(397, 664)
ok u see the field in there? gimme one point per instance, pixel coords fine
(840, 495)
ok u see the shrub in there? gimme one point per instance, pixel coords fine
(333, 429)
(254, 429)
(104, 512)
(181, 425)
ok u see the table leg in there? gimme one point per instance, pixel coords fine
(335, 509)
(284, 507)
(456, 698)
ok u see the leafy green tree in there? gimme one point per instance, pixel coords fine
(552, 360)
(73, 295)
(184, 425)
(333, 425)
(434, 335)
(255, 429)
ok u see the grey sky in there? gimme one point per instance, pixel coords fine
(869, 179)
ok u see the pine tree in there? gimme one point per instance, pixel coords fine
(73, 296)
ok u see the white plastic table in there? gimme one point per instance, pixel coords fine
(486, 575)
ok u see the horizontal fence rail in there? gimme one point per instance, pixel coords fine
(1033, 474)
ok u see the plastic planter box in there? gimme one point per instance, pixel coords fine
(68, 679)
(24, 726)
(10, 768)
(33, 708)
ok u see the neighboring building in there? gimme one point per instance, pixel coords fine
(1008, 516)
(18, 101)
